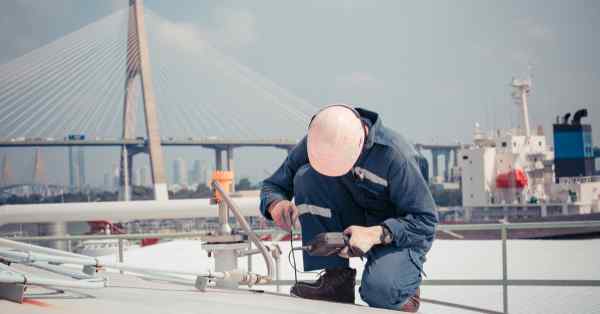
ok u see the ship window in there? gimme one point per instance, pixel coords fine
(540, 143)
(503, 144)
(514, 144)
(471, 195)
(470, 178)
(465, 157)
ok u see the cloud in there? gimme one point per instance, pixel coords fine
(358, 80)
(231, 28)
(183, 37)
(234, 27)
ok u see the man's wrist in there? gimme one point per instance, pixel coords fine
(386, 236)
(376, 232)
(272, 206)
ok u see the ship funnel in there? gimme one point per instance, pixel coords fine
(566, 118)
(580, 114)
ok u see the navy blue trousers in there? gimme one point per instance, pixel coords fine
(390, 276)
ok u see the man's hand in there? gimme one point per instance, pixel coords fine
(362, 239)
(285, 214)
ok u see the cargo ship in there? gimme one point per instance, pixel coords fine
(514, 175)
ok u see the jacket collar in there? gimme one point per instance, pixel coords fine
(374, 123)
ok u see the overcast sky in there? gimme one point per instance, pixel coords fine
(432, 69)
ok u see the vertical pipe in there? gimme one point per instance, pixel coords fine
(278, 272)
(504, 271)
(224, 219)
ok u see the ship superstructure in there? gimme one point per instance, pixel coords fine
(514, 174)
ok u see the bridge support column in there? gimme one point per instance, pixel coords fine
(218, 159)
(446, 166)
(125, 170)
(58, 229)
(230, 166)
(455, 155)
(139, 66)
(81, 167)
(434, 160)
(71, 170)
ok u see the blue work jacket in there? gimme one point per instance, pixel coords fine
(386, 181)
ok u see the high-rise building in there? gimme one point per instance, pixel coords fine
(179, 172)
(115, 177)
(196, 173)
(135, 177)
(143, 176)
(107, 182)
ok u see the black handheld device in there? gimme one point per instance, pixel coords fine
(326, 244)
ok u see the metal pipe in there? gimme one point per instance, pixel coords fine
(34, 248)
(147, 270)
(225, 229)
(277, 271)
(246, 227)
(37, 257)
(60, 270)
(249, 252)
(131, 236)
(483, 282)
(29, 257)
(39, 281)
(10, 277)
(119, 211)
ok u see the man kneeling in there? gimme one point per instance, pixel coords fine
(352, 174)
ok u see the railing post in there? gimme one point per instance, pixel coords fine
(504, 235)
(121, 259)
(249, 257)
(276, 253)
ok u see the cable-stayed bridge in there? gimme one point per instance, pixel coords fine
(118, 80)
(138, 81)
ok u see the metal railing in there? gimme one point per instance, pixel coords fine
(505, 282)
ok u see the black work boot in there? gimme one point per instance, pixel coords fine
(336, 285)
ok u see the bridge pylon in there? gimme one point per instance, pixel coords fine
(138, 66)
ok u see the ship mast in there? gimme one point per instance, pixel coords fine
(520, 92)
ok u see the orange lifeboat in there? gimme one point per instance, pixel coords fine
(512, 179)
